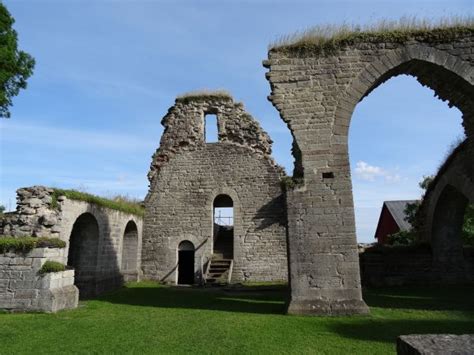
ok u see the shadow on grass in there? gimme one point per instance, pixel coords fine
(440, 298)
(271, 300)
(250, 299)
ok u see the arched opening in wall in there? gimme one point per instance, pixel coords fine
(400, 134)
(447, 232)
(130, 248)
(83, 252)
(211, 131)
(223, 236)
(186, 263)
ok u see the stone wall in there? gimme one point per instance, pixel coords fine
(397, 266)
(23, 288)
(187, 174)
(316, 92)
(36, 217)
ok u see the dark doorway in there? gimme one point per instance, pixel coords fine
(82, 255)
(186, 263)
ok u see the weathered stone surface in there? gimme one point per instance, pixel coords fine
(112, 244)
(187, 174)
(442, 212)
(316, 93)
(22, 288)
(435, 344)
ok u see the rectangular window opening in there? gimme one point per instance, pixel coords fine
(211, 134)
(328, 175)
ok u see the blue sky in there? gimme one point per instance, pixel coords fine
(107, 71)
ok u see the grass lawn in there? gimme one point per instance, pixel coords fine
(149, 318)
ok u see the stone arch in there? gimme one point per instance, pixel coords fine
(315, 91)
(83, 252)
(446, 229)
(451, 78)
(130, 248)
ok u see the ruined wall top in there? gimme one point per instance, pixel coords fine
(185, 126)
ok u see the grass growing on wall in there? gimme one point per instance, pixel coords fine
(147, 318)
(51, 266)
(25, 244)
(328, 38)
(204, 94)
(120, 203)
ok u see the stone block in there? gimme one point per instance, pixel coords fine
(435, 344)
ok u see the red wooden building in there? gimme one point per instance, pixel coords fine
(392, 220)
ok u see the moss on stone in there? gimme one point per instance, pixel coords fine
(328, 39)
(51, 266)
(25, 244)
(119, 203)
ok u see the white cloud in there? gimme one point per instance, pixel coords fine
(369, 172)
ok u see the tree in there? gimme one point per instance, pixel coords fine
(15, 66)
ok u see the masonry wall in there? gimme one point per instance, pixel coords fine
(36, 217)
(186, 176)
(390, 267)
(23, 288)
(316, 91)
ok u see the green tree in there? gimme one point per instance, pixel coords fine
(15, 66)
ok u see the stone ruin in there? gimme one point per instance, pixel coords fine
(305, 232)
(189, 178)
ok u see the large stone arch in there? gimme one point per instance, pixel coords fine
(315, 91)
(450, 77)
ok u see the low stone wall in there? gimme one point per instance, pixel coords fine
(22, 288)
(385, 266)
(107, 250)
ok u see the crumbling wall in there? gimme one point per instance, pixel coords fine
(316, 88)
(187, 174)
(36, 216)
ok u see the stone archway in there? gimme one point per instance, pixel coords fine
(316, 92)
(130, 252)
(83, 253)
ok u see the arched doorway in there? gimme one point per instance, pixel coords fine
(186, 263)
(223, 227)
(130, 249)
(447, 228)
(83, 251)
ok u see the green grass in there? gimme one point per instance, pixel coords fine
(52, 266)
(120, 203)
(328, 38)
(148, 318)
(25, 244)
(204, 94)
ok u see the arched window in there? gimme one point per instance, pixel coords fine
(83, 252)
(223, 216)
